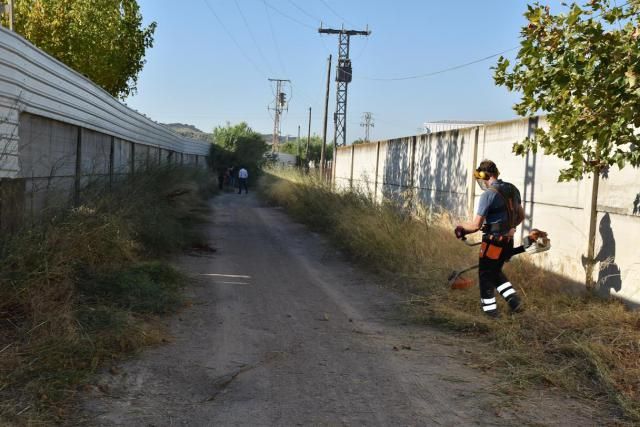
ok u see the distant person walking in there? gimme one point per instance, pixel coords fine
(243, 175)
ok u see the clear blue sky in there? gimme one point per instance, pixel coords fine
(197, 74)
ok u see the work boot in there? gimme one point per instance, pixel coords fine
(515, 304)
(493, 314)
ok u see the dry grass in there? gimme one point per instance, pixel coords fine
(83, 288)
(569, 340)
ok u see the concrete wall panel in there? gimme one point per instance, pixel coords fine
(364, 167)
(47, 148)
(141, 157)
(620, 192)
(343, 167)
(121, 156)
(96, 153)
(442, 164)
(441, 169)
(617, 271)
(396, 169)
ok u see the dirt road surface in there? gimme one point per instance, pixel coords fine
(283, 331)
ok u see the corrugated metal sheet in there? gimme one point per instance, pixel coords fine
(32, 81)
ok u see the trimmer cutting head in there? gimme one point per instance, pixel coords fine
(458, 282)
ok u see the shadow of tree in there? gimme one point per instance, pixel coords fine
(396, 169)
(440, 174)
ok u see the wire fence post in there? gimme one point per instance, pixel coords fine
(78, 173)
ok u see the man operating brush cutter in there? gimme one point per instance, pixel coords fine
(499, 213)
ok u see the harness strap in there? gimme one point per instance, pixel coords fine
(508, 206)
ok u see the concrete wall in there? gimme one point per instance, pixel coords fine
(436, 171)
(59, 131)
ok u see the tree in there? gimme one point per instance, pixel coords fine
(102, 39)
(315, 148)
(582, 69)
(238, 145)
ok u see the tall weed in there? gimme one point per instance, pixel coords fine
(81, 287)
(566, 338)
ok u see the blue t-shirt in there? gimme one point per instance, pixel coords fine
(491, 205)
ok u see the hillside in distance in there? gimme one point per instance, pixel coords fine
(189, 131)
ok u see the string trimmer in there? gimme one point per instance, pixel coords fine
(536, 242)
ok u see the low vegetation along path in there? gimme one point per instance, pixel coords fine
(281, 330)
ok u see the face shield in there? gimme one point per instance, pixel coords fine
(482, 183)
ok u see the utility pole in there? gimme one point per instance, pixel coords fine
(323, 155)
(280, 105)
(308, 138)
(344, 76)
(367, 122)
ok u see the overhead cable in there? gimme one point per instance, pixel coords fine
(233, 39)
(335, 13)
(289, 17)
(445, 70)
(255, 42)
(273, 36)
(314, 18)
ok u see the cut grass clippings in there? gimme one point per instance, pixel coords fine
(566, 338)
(85, 286)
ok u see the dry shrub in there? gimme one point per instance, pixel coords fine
(82, 288)
(566, 338)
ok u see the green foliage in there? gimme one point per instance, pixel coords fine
(238, 145)
(102, 39)
(147, 288)
(581, 68)
(315, 148)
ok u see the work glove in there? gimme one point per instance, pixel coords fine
(460, 232)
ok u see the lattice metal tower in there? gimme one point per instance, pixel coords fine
(367, 123)
(344, 76)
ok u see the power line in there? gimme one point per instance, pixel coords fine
(364, 48)
(315, 18)
(457, 67)
(233, 39)
(335, 13)
(445, 70)
(273, 36)
(289, 17)
(255, 42)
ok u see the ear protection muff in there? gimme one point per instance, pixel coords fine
(479, 174)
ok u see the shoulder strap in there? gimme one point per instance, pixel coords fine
(508, 204)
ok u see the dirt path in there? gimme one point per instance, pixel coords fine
(283, 331)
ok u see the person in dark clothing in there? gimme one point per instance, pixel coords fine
(221, 174)
(233, 172)
(499, 212)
